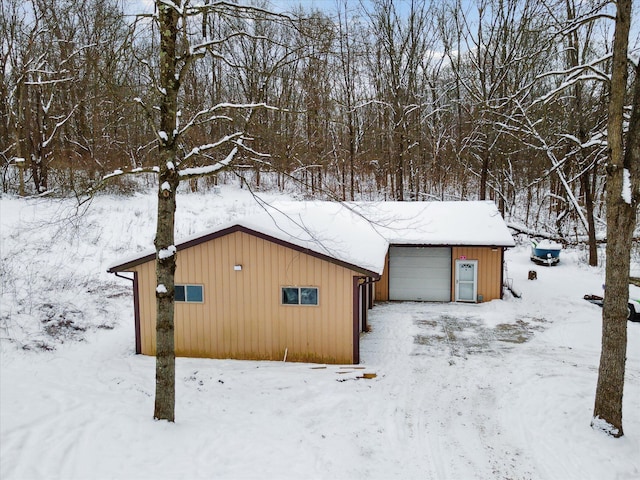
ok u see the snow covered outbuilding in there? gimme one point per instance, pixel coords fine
(297, 279)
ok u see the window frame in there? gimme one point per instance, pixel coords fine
(185, 287)
(299, 296)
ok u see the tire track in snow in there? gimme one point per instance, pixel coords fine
(447, 427)
(471, 341)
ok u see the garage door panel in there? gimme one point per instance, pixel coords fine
(420, 273)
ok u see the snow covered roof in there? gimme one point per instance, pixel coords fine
(359, 234)
(326, 228)
(472, 223)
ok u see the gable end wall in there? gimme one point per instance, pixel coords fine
(241, 316)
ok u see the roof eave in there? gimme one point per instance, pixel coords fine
(127, 266)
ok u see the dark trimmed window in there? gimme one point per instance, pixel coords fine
(300, 295)
(189, 293)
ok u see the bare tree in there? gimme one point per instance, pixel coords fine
(42, 79)
(178, 153)
(494, 59)
(65, 84)
(577, 54)
(399, 46)
(623, 195)
(579, 131)
(347, 97)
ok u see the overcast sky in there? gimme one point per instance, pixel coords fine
(140, 6)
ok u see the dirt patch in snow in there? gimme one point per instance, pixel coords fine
(466, 335)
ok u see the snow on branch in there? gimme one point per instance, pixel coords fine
(218, 41)
(589, 17)
(197, 118)
(134, 171)
(574, 75)
(203, 148)
(168, 252)
(193, 172)
(521, 229)
(58, 125)
(372, 102)
(76, 53)
(212, 118)
(48, 82)
(172, 5)
(598, 141)
(626, 186)
(530, 126)
(251, 150)
(219, 5)
(91, 191)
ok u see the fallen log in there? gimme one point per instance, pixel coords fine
(573, 240)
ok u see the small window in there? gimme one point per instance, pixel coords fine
(189, 293)
(290, 296)
(180, 294)
(299, 295)
(308, 296)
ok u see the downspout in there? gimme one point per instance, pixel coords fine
(368, 281)
(117, 274)
(356, 310)
(502, 249)
(356, 320)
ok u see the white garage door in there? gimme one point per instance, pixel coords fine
(420, 273)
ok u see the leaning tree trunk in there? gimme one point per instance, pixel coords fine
(164, 242)
(621, 213)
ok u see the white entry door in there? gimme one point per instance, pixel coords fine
(466, 280)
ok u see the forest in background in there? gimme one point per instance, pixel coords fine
(414, 100)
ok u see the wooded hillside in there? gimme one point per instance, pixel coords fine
(415, 100)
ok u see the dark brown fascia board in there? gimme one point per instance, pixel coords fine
(240, 228)
(125, 267)
(450, 245)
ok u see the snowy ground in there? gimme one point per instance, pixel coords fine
(498, 390)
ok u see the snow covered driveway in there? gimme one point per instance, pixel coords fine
(503, 389)
(452, 373)
(468, 391)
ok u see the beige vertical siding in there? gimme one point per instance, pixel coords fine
(489, 269)
(382, 286)
(242, 316)
(147, 303)
(489, 272)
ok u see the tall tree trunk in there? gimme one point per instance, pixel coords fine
(587, 179)
(577, 127)
(164, 242)
(621, 213)
(398, 160)
(352, 156)
(484, 174)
